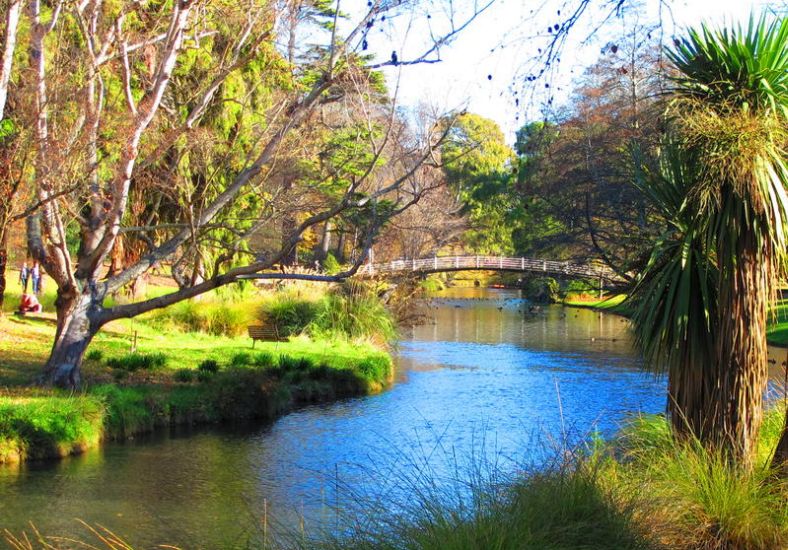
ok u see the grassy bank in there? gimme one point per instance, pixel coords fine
(641, 490)
(777, 330)
(143, 374)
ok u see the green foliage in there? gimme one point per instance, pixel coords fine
(350, 312)
(291, 315)
(94, 355)
(138, 361)
(43, 427)
(355, 313)
(183, 375)
(216, 316)
(542, 290)
(694, 497)
(264, 359)
(209, 366)
(478, 165)
(330, 265)
(241, 359)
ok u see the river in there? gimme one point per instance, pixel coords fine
(489, 383)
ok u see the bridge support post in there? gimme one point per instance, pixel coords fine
(456, 262)
(500, 262)
(600, 287)
(522, 264)
(477, 261)
(413, 264)
(544, 265)
(435, 263)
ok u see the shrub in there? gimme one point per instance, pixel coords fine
(356, 313)
(138, 361)
(291, 315)
(542, 290)
(94, 355)
(209, 365)
(205, 375)
(264, 359)
(241, 359)
(184, 375)
(330, 265)
(212, 316)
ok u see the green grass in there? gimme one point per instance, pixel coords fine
(49, 426)
(160, 382)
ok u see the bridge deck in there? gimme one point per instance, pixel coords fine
(491, 263)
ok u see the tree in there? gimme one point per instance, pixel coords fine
(676, 317)
(730, 110)
(575, 172)
(103, 102)
(478, 165)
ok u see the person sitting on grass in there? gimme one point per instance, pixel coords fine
(29, 304)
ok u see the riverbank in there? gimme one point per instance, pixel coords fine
(173, 378)
(776, 333)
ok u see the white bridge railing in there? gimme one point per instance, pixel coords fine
(494, 263)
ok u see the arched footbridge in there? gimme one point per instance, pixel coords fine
(438, 264)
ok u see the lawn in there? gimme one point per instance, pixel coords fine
(144, 373)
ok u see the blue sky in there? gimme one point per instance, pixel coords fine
(502, 40)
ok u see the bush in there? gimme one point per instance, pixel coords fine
(205, 375)
(94, 355)
(241, 359)
(581, 286)
(212, 316)
(330, 265)
(357, 313)
(209, 365)
(264, 359)
(291, 315)
(184, 375)
(138, 361)
(543, 290)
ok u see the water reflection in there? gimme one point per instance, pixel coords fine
(488, 378)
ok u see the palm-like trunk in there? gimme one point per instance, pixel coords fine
(741, 370)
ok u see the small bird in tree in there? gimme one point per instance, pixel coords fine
(394, 58)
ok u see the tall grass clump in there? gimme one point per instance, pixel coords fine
(210, 315)
(694, 497)
(355, 312)
(351, 311)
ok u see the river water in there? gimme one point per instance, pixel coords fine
(489, 383)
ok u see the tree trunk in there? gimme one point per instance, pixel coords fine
(76, 326)
(780, 460)
(3, 265)
(741, 376)
(325, 242)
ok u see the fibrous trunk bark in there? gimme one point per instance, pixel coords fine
(742, 355)
(76, 326)
(3, 265)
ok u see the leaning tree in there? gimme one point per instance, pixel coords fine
(109, 90)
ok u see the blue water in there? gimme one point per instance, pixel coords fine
(485, 384)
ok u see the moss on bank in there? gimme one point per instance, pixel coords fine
(177, 378)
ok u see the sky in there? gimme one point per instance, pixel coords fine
(487, 62)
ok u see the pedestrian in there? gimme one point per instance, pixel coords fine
(35, 276)
(24, 277)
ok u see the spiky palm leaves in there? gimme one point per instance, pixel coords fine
(675, 318)
(730, 111)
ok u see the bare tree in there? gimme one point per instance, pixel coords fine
(94, 133)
